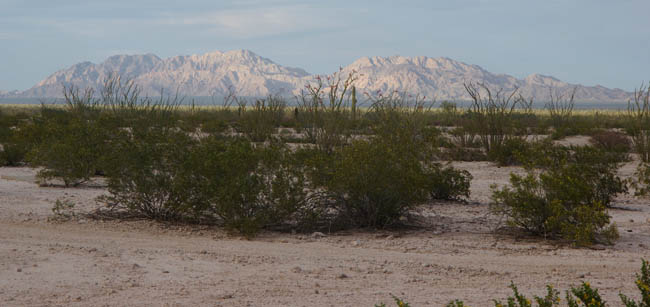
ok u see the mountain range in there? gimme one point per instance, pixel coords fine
(248, 74)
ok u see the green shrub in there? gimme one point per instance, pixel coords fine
(376, 183)
(13, 152)
(448, 183)
(456, 303)
(566, 200)
(71, 151)
(214, 127)
(643, 284)
(67, 142)
(585, 295)
(142, 170)
(261, 121)
(552, 298)
(641, 182)
(63, 210)
(244, 187)
(17, 138)
(398, 302)
(611, 141)
(595, 167)
(509, 152)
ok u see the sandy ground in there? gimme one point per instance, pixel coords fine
(140, 263)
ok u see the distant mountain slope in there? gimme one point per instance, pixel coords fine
(443, 79)
(195, 75)
(251, 75)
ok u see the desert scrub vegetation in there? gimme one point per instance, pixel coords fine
(611, 141)
(492, 117)
(373, 182)
(564, 195)
(159, 164)
(327, 110)
(141, 173)
(560, 110)
(13, 146)
(265, 115)
(70, 149)
(67, 141)
(576, 296)
(638, 122)
(330, 162)
(246, 187)
(641, 181)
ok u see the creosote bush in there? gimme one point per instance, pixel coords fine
(374, 182)
(552, 298)
(71, 151)
(142, 171)
(567, 199)
(583, 295)
(641, 182)
(643, 284)
(246, 188)
(611, 141)
(70, 140)
(14, 148)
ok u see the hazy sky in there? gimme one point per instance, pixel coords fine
(604, 42)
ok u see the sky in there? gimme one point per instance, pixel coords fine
(591, 42)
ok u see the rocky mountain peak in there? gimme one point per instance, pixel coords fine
(217, 73)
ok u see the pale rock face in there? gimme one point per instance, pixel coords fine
(443, 79)
(247, 74)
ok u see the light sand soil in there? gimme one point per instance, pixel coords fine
(141, 263)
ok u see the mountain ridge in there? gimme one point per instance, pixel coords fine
(248, 74)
